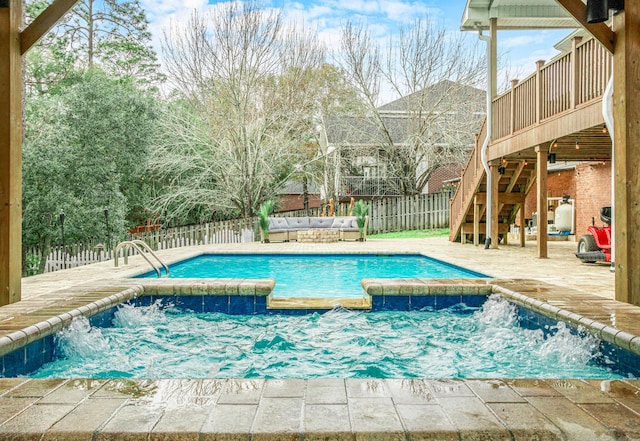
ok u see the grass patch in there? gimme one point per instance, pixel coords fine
(412, 234)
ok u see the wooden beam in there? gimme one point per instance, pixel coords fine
(43, 23)
(10, 153)
(626, 110)
(541, 179)
(600, 31)
(468, 227)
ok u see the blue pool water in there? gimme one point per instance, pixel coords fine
(316, 275)
(459, 342)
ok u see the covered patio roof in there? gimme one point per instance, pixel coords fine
(516, 14)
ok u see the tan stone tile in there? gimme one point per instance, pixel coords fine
(9, 407)
(34, 421)
(450, 388)
(375, 417)
(426, 422)
(84, 420)
(237, 391)
(622, 391)
(73, 391)
(229, 422)
(6, 384)
(131, 422)
(573, 421)
(579, 391)
(624, 423)
(326, 391)
(532, 388)
(525, 422)
(327, 421)
(282, 416)
(494, 391)
(366, 387)
(411, 391)
(127, 388)
(182, 423)
(35, 388)
(284, 389)
(473, 420)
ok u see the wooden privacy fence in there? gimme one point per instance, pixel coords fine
(418, 212)
(385, 215)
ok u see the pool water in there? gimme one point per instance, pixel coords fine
(459, 342)
(316, 275)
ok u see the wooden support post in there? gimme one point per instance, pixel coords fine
(495, 182)
(10, 152)
(541, 178)
(626, 109)
(522, 227)
(476, 221)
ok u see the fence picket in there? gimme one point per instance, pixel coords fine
(385, 215)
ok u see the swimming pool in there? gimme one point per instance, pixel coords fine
(160, 341)
(316, 275)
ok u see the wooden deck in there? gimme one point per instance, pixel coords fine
(557, 109)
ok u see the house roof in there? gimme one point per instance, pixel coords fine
(400, 116)
(516, 14)
(438, 96)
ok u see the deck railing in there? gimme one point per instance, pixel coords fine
(564, 84)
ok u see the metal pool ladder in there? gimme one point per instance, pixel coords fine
(141, 247)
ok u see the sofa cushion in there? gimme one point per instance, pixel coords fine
(298, 223)
(320, 222)
(278, 224)
(344, 223)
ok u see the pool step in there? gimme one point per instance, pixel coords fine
(318, 303)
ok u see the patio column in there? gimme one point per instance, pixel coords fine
(10, 151)
(541, 180)
(626, 114)
(495, 182)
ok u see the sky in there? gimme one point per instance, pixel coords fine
(519, 50)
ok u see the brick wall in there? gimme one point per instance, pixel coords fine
(588, 184)
(593, 191)
(443, 174)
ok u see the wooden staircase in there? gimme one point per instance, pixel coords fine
(557, 108)
(515, 178)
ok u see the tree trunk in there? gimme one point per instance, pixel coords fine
(305, 192)
(44, 249)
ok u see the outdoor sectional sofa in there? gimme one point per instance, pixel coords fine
(287, 228)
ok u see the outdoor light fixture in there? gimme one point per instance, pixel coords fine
(604, 128)
(4, 4)
(552, 158)
(598, 10)
(501, 169)
(577, 145)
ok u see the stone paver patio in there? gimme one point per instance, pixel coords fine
(349, 409)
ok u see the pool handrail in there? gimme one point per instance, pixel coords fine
(140, 246)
